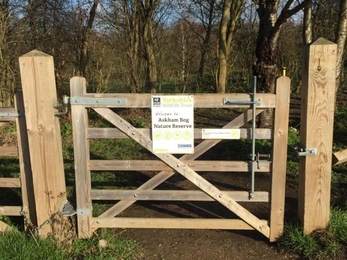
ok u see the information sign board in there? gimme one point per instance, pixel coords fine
(173, 124)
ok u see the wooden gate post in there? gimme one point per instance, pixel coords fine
(316, 131)
(81, 151)
(279, 160)
(39, 95)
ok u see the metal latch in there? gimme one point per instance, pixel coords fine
(63, 108)
(260, 158)
(301, 151)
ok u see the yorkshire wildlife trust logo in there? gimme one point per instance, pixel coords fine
(156, 102)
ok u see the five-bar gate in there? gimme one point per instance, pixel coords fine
(167, 165)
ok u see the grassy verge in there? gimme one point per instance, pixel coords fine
(329, 243)
(103, 245)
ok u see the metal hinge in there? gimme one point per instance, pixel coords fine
(10, 114)
(98, 101)
(67, 210)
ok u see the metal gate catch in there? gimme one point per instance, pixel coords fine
(301, 151)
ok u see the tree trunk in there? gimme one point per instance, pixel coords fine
(147, 10)
(151, 77)
(341, 33)
(85, 39)
(307, 30)
(133, 23)
(231, 13)
(265, 69)
(205, 43)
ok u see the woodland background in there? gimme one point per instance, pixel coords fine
(168, 45)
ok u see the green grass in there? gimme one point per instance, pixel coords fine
(329, 243)
(22, 246)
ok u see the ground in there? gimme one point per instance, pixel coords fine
(174, 244)
(203, 245)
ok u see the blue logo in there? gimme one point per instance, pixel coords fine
(184, 145)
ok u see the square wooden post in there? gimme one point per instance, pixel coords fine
(316, 131)
(43, 129)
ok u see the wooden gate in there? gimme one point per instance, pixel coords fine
(169, 165)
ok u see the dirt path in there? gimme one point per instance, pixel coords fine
(173, 244)
(203, 245)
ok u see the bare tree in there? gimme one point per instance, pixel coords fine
(340, 38)
(7, 78)
(123, 23)
(147, 11)
(230, 15)
(271, 20)
(206, 13)
(85, 35)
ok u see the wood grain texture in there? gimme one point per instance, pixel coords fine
(173, 223)
(175, 195)
(10, 183)
(279, 160)
(340, 157)
(39, 95)
(81, 154)
(316, 131)
(10, 151)
(157, 165)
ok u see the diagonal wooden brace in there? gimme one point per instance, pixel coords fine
(186, 171)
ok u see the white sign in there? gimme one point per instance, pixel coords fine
(173, 124)
(220, 133)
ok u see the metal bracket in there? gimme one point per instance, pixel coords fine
(9, 114)
(62, 108)
(259, 159)
(98, 101)
(83, 212)
(301, 151)
(67, 210)
(262, 158)
(241, 101)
